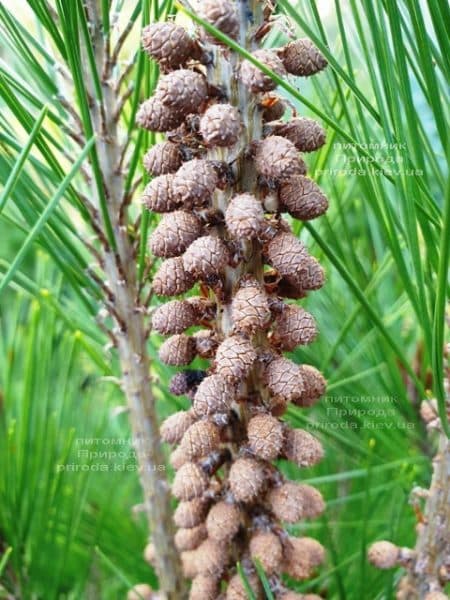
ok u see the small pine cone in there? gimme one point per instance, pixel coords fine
(286, 253)
(154, 116)
(186, 382)
(178, 458)
(314, 386)
(302, 448)
(189, 563)
(266, 547)
(200, 439)
(171, 278)
(265, 436)
(235, 357)
(306, 134)
(302, 198)
(182, 91)
(246, 479)
(141, 591)
(174, 427)
(214, 395)
(174, 233)
(178, 350)
(190, 539)
(278, 158)
(236, 589)
(205, 343)
(250, 308)
(223, 521)
(273, 108)
(204, 587)
(211, 559)
(284, 378)
(384, 555)
(190, 482)
(302, 556)
(173, 317)
(291, 502)
(158, 195)
(206, 257)
(302, 58)
(168, 44)
(163, 158)
(190, 514)
(222, 14)
(254, 78)
(220, 125)
(294, 327)
(310, 275)
(244, 217)
(150, 554)
(194, 183)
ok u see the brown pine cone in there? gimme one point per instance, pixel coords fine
(302, 448)
(220, 125)
(153, 115)
(190, 482)
(294, 327)
(302, 198)
(174, 233)
(178, 350)
(163, 158)
(167, 43)
(194, 183)
(306, 134)
(246, 479)
(175, 426)
(384, 555)
(211, 559)
(182, 91)
(158, 195)
(204, 587)
(200, 439)
(244, 217)
(190, 514)
(205, 343)
(250, 308)
(273, 108)
(222, 14)
(286, 254)
(284, 378)
(215, 394)
(302, 556)
(309, 275)
(265, 436)
(253, 78)
(314, 386)
(237, 591)
(190, 539)
(172, 279)
(266, 547)
(173, 317)
(291, 502)
(223, 521)
(206, 257)
(302, 58)
(235, 357)
(278, 158)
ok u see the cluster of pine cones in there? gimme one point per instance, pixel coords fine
(222, 192)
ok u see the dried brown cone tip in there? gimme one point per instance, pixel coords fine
(200, 439)
(302, 448)
(204, 587)
(194, 183)
(222, 14)
(250, 308)
(190, 539)
(235, 357)
(163, 158)
(273, 108)
(158, 195)
(314, 385)
(174, 233)
(191, 513)
(277, 158)
(265, 436)
(284, 378)
(190, 482)
(220, 125)
(247, 479)
(211, 558)
(172, 279)
(167, 43)
(266, 547)
(178, 350)
(182, 91)
(244, 217)
(257, 81)
(175, 426)
(206, 257)
(384, 555)
(306, 134)
(302, 198)
(214, 395)
(291, 502)
(294, 327)
(302, 58)
(174, 317)
(223, 521)
(236, 589)
(154, 116)
(302, 556)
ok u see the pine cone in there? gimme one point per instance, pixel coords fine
(194, 183)
(222, 14)
(155, 116)
(223, 521)
(163, 158)
(246, 479)
(302, 198)
(278, 158)
(200, 439)
(182, 91)
(220, 125)
(244, 217)
(207, 256)
(167, 43)
(294, 327)
(190, 482)
(254, 78)
(187, 381)
(214, 395)
(284, 378)
(250, 309)
(266, 547)
(314, 386)
(204, 587)
(289, 595)
(178, 458)
(189, 563)
(190, 514)
(173, 317)
(235, 357)
(265, 436)
(158, 195)
(178, 350)
(174, 233)
(309, 275)
(302, 58)
(205, 343)
(172, 279)
(175, 426)
(302, 556)
(237, 591)
(286, 254)
(292, 502)
(384, 555)
(211, 559)
(273, 108)
(190, 539)
(306, 134)
(302, 448)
